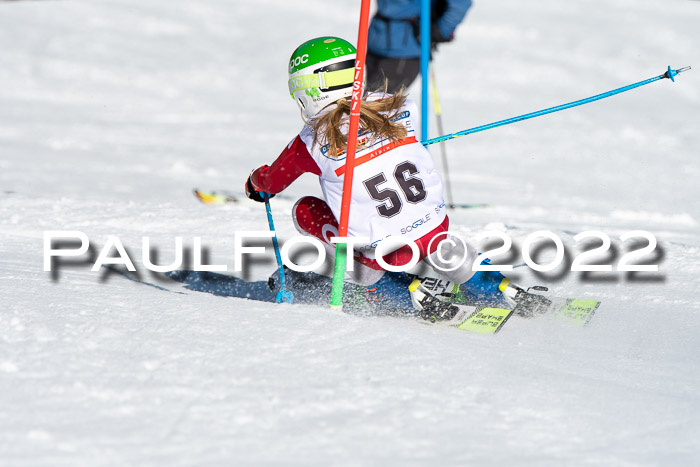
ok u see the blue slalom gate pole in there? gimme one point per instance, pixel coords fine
(283, 295)
(671, 74)
(424, 62)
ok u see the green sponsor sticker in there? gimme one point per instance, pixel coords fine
(579, 311)
(486, 320)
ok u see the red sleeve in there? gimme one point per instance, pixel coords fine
(294, 161)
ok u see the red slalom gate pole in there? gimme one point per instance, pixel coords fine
(356, 102)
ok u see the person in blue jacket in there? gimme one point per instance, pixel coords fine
(393, 41)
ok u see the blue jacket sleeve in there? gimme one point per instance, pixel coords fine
(455, 12)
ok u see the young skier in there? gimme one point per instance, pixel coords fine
(396, 190)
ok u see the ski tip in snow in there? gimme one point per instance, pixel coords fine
(215, 197)
(468, 205)
(578, 311)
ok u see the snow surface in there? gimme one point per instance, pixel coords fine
(111, 111)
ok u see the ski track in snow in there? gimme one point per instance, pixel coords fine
(111, 111)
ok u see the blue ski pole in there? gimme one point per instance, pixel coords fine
(668, 74)
(424, 64)
(283, 295)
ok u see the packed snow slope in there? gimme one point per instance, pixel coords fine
(112, 111)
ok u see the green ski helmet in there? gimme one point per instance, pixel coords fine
(321, 71)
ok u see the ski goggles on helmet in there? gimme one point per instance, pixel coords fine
(327, 78)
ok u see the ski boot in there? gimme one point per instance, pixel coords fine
(492, 289)
(435, 308)
(523, 302)
(388, 294)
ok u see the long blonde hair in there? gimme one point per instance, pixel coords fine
(376, 117)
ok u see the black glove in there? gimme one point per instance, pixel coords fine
(436, 36)
(252, 193)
